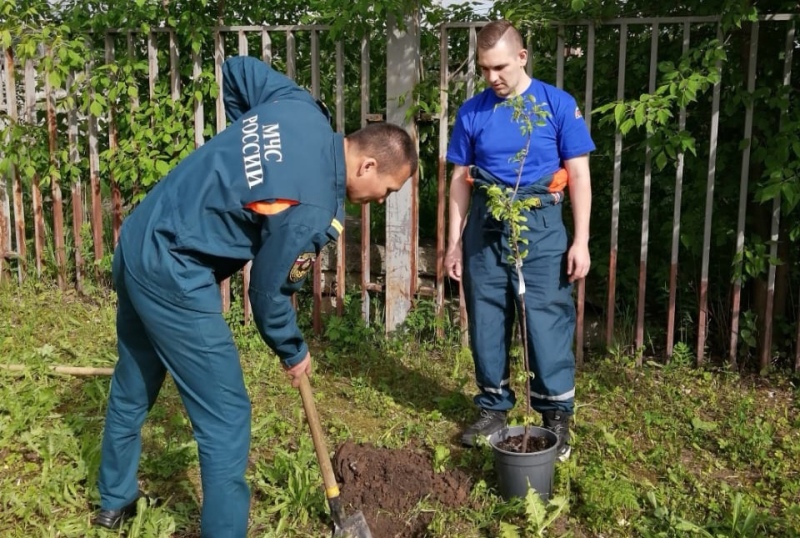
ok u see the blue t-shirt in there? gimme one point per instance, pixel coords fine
(485, 135)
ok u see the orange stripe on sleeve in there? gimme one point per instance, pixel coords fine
(271, 208)
(560, 181)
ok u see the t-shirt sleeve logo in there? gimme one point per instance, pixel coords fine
(578, 114)
(301, 266)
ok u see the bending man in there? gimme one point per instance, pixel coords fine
(270, 188)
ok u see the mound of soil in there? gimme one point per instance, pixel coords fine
(386, 485)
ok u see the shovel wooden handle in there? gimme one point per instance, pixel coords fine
(66, 370)
(328, 478)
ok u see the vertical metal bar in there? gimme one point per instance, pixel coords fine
(560, 51)
(152, 63)
(199, 123)
(76, 187)
(266, 46)
(199, 127)
(441, 192)
(580, 302)
(5, 206)
(341, 266)
(413, 34)
(640, 302)
(797, 349)
(94, 181)
(131, 56)
(19, 205)
(315, 63)
(676, 217)
(242, 43)
(529, 48)
(712, 170)
(36, 193)
(266, 56)
(174, 66)
(291, 55)
(413, 272)
(248, 267)
(5, 226)
(365, 208)
(743, 186)
(471, 59)
(612, 258)
(316, 314)
(247, 306)
(113, 144)
(55, 187)
(219, 58)
(766, 349)
(587, 114)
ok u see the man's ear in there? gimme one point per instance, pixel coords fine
(523, 56)
(368, 164)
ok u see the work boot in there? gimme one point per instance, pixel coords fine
(113, 519)
(557, 421)
(488, 423)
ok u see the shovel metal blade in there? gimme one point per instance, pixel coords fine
(354, 526)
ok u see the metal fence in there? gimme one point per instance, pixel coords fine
(90, 207)
(562, 52)
(28, 202)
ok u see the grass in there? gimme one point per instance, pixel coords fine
(659, 451)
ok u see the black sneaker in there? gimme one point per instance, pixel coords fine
(488, 423)
(558, 422)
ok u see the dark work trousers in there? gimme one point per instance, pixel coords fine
(197, 349)
(490, 289)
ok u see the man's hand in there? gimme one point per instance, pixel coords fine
(302, 367)
(578, 261)
(453, 265)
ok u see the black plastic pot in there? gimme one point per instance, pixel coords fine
(516, 471)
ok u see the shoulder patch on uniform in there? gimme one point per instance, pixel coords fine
(301, 266)
(578, 113)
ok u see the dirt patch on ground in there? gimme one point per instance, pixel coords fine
(386, 485)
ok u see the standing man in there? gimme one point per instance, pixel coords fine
(484, 145)
(270, 188)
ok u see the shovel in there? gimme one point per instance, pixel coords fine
(355, 526)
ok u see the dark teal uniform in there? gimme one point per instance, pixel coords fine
(194, 229)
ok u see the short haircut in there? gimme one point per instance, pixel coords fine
(390, 145)
(496, 31)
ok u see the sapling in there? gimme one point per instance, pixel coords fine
(505, 206)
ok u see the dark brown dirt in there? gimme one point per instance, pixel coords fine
(535, 444)
(387, 484)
